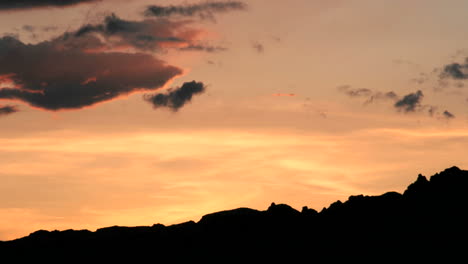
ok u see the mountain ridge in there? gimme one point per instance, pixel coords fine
(429, 216)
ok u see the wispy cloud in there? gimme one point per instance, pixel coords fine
(411, 102)
(370, 95)
(28, 4)
(204, 10)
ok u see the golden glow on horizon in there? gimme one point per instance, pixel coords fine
(145, 178)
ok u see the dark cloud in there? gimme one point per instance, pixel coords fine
(204, 10)
(7, 109)
(176, 98)
(54, 75)
(146, 35)
(448, 115)
(455, 71)
(27, 4)
(149, 34)
(258, 47)
(410, 102)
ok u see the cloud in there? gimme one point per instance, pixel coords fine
(258, 47)
(377, 96)
(410, 102)
(146, 35)
(206, 48)
(54, 75)
(176, 98)
(455, 71)
(371, 95)
(28, 4)
(7, 109)
(349, 91)
(448, 115)
(204, 10)
(103, 61)
(149, 34)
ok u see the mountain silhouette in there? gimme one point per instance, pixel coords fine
(428, 222)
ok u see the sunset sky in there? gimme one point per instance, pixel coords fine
(135, 112)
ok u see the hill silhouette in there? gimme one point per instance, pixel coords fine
(428, 222)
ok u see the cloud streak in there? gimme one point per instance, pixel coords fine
(204, 10)
(28, 4)
(176, 98)
(206, 48)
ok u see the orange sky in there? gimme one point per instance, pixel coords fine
(124, 162)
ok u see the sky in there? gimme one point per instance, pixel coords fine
(118, 112)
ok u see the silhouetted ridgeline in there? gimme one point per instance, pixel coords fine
(427, 222)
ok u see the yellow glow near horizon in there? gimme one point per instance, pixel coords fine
(144, 178)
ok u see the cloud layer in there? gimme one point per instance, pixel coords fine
(204, 10)
(27, 4)
(178, 97)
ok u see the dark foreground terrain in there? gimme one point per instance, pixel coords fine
(428, 222)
